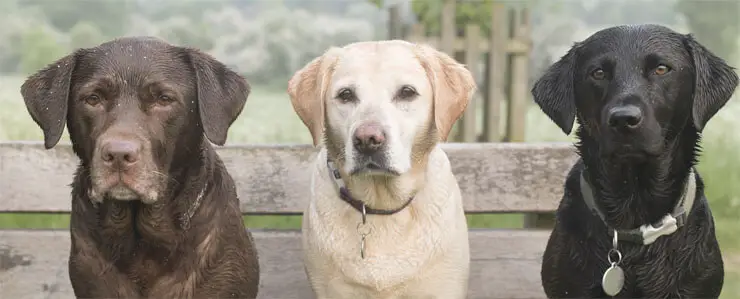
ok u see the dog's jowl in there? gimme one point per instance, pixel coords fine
(384, 217)
(634, 221)
(154, 211)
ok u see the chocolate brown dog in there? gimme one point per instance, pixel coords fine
(634, 221)
(154, 212)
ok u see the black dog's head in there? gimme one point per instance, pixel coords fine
(634, 88)
(136, 108)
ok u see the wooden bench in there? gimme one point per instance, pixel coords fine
(273, 180)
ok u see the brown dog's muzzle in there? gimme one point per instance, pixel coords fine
(120, 154)
(123, 170)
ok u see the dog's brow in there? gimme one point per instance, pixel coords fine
(106, 83)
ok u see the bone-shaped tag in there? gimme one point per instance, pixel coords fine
(650, 233)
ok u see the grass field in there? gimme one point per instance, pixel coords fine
(268, 118)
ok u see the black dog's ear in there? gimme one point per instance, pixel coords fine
(714, 82)
(222, 94)
(554, 91)
(46, 94)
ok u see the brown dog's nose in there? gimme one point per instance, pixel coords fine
(369, 138)
(120, 153)
(625, 117)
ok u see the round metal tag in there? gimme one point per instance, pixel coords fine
(613, 280)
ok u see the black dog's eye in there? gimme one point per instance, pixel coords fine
(406, 93)
(346, 95)
(598, 74)
(164, 100)
(93, 100)
(662, 69)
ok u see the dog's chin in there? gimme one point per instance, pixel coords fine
(628, 153)
(374, 169)
(122, 192)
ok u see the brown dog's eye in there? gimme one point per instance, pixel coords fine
(346, 95)
(93, 100)
(406, 92)
(598, 74)
(164, 100)
(662, 69)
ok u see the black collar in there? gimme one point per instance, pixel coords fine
(648, 233)
(358, 204)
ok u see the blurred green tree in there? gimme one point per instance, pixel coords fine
(85, 34)
(108, 15)
(429, 12)
(39, 47)
(714, 23)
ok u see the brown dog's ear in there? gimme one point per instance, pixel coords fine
(453, 87)
(46, 94)
(307, 89)
(554, 91)
(222, 94)
(714, 82)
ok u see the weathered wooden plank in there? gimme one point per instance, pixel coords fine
(493, 177)
(504, 264)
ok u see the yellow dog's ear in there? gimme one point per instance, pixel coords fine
(453, 87)
(307, 89)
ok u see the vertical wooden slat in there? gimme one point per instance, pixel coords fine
(519, 83)
(448, 30)
(394, 22)
(448, 35)
(496, 73)
(417, 34)
(472, 58)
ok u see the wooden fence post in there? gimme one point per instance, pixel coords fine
(496, 71)
(467, 127)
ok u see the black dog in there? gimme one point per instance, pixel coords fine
(154, 211)
(642, 94)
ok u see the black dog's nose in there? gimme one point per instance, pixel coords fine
(120, 153)
(368, 138)
(625, 117)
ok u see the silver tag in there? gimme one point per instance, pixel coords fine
(613, 280)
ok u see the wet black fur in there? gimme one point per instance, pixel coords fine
(641, 183)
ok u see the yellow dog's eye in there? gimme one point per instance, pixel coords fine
(662, 69)
(406, 92)
(346, 95)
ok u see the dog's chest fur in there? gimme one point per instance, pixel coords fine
(682, 264)
(143, 242)
(400, 247)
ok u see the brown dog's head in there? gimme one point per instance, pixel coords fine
(136, 109)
